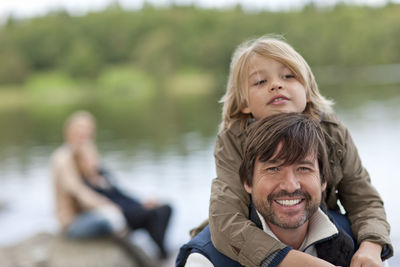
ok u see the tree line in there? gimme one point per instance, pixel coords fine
(162, 41)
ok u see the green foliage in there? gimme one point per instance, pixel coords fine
(161, 42)
(190, 83)
(125, 82)
(14, 67)
(53, 88)
(82, 60)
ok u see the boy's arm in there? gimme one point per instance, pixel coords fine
(232, 233)
(242, 241)
(301, 259)
(369, 254)
(362, 202)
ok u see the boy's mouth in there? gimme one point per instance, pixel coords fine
(278, 99)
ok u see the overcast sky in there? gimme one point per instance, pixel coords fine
(31, 8)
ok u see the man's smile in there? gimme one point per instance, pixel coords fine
(288, 202)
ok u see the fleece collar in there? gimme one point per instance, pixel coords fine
(320, 228)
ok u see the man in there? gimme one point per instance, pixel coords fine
(285, 170)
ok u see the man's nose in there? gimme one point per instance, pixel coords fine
(289, 181)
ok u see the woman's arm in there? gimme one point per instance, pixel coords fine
(71, 182)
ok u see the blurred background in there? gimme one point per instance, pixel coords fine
(152, 73)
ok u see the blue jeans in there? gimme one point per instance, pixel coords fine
(88, 225)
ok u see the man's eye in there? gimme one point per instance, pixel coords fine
(304, 169)
(260, 82)
(272, 169)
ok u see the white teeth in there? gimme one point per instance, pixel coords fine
(291, 202)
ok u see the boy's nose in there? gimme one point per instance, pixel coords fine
(275, 85)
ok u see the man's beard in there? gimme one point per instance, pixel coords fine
(264, 207)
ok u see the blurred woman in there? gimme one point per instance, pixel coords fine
(88, 204)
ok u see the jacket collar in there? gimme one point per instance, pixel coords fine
(329, 118)
(320, 227)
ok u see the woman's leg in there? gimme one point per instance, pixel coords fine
(154, 220)
(158, 225)
(88, 225)
(102, 221)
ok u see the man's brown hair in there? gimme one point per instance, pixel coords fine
(298, 134)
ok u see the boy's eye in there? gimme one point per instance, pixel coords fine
(260, 82)
(288, 76)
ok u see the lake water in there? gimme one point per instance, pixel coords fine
(168, 157)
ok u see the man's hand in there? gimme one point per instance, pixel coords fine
(367, 255)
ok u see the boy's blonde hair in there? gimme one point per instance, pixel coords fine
(274, 47)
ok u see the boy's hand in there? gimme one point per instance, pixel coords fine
(367, 255)
(301, 259)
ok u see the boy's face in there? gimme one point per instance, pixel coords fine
(272, 88)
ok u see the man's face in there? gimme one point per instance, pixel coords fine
(286, 196)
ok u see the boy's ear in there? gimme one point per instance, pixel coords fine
(245, 110)
(308, 99)
(247, 188)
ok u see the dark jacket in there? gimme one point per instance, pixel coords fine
(337, 249)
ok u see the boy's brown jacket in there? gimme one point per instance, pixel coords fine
(236, 236)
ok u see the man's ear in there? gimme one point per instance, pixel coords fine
(247, 188)
(323, 186)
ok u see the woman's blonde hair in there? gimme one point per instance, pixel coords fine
(76, 118)
(274, 47)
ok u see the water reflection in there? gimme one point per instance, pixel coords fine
(160, 126)
(164, 150)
